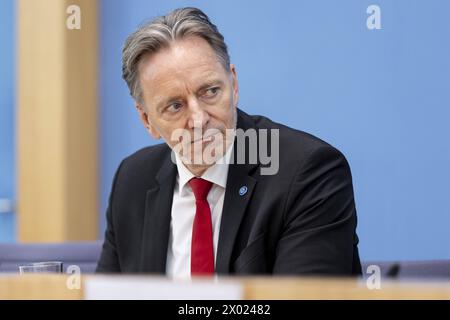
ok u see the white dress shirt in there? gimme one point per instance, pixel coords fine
(178, 264)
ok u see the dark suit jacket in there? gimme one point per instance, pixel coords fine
(299, 221)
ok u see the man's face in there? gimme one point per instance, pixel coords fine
(186, 87)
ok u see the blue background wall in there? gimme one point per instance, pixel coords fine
(380, 96)
(7, 79)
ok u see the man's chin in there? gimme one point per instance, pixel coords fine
(202, 160)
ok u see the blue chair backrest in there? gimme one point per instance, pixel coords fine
(83, 254)
(427, 269)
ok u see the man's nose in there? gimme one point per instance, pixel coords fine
(198, 116)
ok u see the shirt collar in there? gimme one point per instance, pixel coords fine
(217, 173)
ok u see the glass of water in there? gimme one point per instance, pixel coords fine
(42, 267)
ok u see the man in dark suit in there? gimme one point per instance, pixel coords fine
(170, 214)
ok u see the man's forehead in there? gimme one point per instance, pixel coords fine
(183, 57)
(171, 83)
(191, 73)
(170, 73)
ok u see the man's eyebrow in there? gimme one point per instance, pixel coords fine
(161, 103)
(209, 84)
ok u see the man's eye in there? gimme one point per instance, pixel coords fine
(174, 107)
(211, 92)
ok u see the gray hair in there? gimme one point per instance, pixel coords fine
(159, 33)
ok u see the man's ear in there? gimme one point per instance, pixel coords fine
(235, 84)
(145, 120)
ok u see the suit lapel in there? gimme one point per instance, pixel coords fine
(156, 229)
(233, 211)
(235, 202)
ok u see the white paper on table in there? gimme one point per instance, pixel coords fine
(152, 288)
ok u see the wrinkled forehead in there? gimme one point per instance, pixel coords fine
(188, 60)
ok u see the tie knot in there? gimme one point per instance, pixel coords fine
(200, 187)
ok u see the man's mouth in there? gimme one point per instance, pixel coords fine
(204, 139)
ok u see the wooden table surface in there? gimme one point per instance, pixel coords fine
(122, 287)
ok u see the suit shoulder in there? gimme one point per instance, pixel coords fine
(147, 153)
(145, 160)
(297, 147)
(293, 137)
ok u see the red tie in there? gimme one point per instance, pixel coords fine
(202, 250)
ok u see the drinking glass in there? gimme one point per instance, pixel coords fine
(42, 267)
